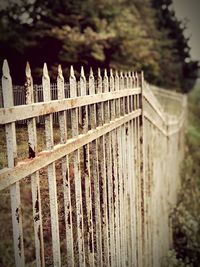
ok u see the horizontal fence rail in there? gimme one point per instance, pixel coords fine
(90, 167)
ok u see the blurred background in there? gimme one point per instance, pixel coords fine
(118, 34)
(161, 37)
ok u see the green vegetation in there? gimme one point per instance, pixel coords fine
(119, 34)
(186, 215)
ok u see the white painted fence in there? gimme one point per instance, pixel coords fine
(119, 159)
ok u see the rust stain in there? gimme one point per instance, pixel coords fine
(38, 233)
(141, 166)
(69, 219)
(19, 245)
(51, 110)
(90, 242)
(68, 215)
(36, 218)
(31, 152)
(17, 214)
(73, 102)
(126, 130)
(37, 204)
(15, 161)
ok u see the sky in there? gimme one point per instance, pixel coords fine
(190, 10)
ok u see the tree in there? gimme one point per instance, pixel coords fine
(181, 70)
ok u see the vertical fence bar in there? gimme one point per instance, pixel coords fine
(65, 173)
(128, 164)
(142, 171)
(51, 172)
(131, 177)
(118, 171)
(95, 165)
(110, 200)
(114, 179)
(138, 185)
(103, 180)
(125, 200)
(114, 85)
(35, 182)
(12, 160)
(77, 174)
(109, 173)
(132, 196)
(121, 177)
(137, 180)
(88, 190)
(134, 182)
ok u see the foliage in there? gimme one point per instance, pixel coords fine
(120, 34)
(170, 260)
(175, 61)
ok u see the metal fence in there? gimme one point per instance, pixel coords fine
(116, 168)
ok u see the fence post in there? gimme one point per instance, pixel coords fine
(12, 157)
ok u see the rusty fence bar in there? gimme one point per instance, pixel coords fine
(103, 159)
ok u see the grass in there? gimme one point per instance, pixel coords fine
(6, 242)
(22, 142)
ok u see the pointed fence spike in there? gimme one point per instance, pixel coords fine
(28, 85)
(111, 73)
(99, 82)
(136, 78)
(72, 71)
(99, 72)
(112, 86)
(121, 74)
(82, 72)
(116, 81)
(105, 72)
(91, 72)
(142, 75)
(135, 75)
(45, 71)
(5, 69)
(60, 73)
(60, 87)
(28, 70)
